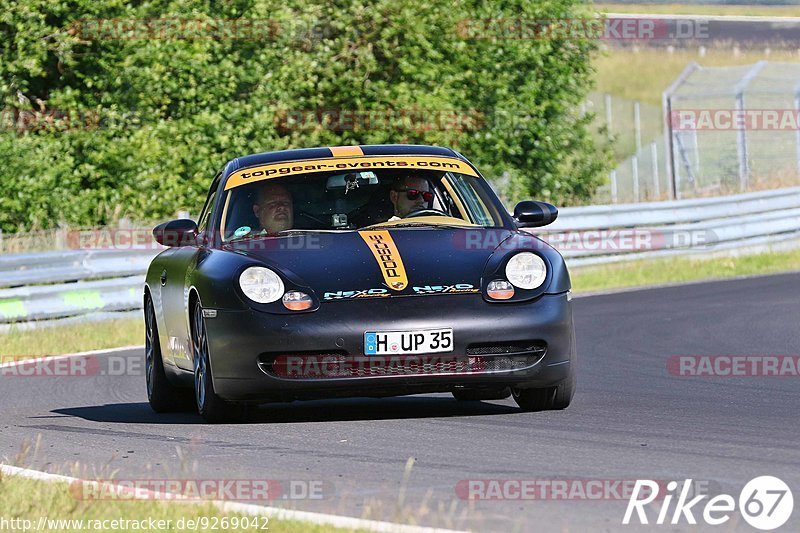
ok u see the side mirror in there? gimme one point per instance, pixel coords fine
(181, 232)
(531, 214)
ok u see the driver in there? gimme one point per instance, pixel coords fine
(408, 194)
(273, 208)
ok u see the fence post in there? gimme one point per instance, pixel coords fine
(613, 176)
(741, 134)
(797, 131)
(666, 109)
(635, 172)
(741, 146)
(654, 170)
(637, 126)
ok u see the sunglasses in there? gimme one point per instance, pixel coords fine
(413, 194)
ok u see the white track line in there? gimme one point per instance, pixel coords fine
(28, 359)
(322, 519)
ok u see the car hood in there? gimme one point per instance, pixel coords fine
(361, 264)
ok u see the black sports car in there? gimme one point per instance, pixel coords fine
(356, 271)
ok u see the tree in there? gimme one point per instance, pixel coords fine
(113, 109)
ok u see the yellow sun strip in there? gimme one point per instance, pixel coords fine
(388, 258)
(340, 151)
(295, 168)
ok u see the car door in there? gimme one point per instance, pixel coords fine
(175, 287)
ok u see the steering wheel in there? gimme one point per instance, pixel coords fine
(426, 211)
(304, 214)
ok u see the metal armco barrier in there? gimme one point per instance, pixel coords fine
(745, 222)
(67, 286)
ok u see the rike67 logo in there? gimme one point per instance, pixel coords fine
(766, 503)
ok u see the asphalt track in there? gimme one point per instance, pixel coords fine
(630, 419)
(698, 30)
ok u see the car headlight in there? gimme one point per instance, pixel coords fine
(261, 285)
(526, 270)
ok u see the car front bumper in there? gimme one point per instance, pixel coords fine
(242, 344)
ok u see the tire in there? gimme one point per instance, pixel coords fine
(473, 395)
(546, 399)
(162, 396)
(211, 407)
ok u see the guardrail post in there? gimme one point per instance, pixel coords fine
(635, 173)
(62, 234)
(613, 177)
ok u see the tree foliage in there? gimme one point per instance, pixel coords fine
(96, 125)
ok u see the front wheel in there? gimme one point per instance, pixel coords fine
(210, 406)
(546, 399)
(162, 396)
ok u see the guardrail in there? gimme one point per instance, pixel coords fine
(608, 233)
(76, 285)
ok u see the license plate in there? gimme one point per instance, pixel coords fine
(408, 342)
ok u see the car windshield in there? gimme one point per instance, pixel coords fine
(346, 201)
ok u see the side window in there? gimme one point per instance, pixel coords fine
(473, 203)
(205, 214)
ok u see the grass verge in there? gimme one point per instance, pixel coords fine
(694, 9)
(644, 74)
(72, 338)
(680, 270)
(25, 499)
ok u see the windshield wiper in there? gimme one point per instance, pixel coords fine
(415, 225)
(262, 234)
(296, 231)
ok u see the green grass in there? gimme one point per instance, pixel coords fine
(694, 9)
(29, 500)
(679, 270)
(644, 74)
(73, 338)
